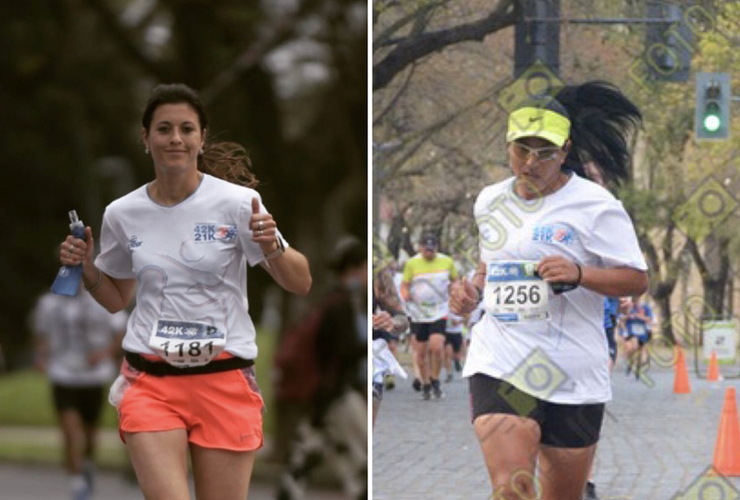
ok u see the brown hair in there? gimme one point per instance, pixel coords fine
(225, 160)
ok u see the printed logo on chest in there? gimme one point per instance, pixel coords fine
(553, 233)
(207, 233)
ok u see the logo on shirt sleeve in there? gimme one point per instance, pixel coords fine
(207, 233)
(133, 242)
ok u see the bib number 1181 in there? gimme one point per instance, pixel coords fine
(194, 348)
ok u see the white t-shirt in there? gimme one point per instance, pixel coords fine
(74, 327)
(189, 260)
(563, 358)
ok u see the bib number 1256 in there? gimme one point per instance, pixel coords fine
(514, 292)
(517, 294)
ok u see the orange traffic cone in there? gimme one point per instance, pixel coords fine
(727, 450)
(713, 371)
(680, 374)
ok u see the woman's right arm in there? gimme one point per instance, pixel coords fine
(388, 296)
(111, 293)
(466, 295)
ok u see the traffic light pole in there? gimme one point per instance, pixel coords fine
(599, 20)
(670, 38)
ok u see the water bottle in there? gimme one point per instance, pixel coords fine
(68, 278)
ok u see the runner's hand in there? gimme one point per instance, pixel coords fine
(264, 228)
(74, 251)
(464, 297)
(558, 269)
(382, 321)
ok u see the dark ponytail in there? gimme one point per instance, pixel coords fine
(602, 119)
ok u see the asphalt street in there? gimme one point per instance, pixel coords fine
(655, 444)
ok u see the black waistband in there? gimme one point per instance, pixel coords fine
(162, 368)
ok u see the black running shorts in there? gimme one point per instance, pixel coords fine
(87, 401)
(454, 339)
(423, 331)
(561, 425)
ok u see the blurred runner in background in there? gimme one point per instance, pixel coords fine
(426, 291)
(77, 346)
(335, 426)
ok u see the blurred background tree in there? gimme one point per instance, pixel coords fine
(285, 78)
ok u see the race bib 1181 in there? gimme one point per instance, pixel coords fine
(186, 343)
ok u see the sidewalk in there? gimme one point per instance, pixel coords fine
(655, 444)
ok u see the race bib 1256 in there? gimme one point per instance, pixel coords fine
(515, 293)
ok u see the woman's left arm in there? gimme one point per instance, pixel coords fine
(290, 270)
(615, 281)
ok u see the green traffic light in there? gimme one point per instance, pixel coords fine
(712, 123)
(712, 120)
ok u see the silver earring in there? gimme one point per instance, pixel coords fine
(201, 152)
(146, 150)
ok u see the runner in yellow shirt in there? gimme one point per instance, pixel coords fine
(426, 290)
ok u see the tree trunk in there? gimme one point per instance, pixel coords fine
(663, 277)
(714, 268)
(666, 325)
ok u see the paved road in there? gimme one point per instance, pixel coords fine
(24, 482)
(655, 444)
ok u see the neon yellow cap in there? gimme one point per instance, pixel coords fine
(538, 122)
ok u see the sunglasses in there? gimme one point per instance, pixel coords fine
(523, 152)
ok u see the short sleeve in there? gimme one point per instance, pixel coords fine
(407, 272)
(612, 238)
(115, 257)
(453, 270)
(41, 317)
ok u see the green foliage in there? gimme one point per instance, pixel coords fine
(646, 204)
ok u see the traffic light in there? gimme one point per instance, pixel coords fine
(670, 44)
(712, 116)
(537, 42)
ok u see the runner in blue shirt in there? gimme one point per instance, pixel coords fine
(638, 326)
